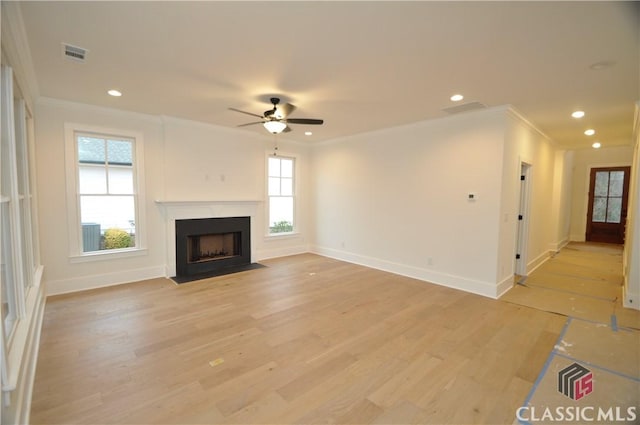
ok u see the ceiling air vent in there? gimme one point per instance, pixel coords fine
(471, 106)
(74, 52)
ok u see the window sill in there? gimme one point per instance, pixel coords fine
(279, 236)
(107, 255)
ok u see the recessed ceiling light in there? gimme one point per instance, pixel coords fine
(601, 65)
(114, 93)
(457, 97)
(590, 132)
(308, 133)
(596, 145)
(578, 114)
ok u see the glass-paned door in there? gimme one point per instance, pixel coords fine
(607, 213)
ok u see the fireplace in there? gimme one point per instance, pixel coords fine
(213, 247)
(208, 247)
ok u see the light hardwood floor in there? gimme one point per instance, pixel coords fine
(306, 340)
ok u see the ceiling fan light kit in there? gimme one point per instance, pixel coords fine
(276, 120)
(275, 127)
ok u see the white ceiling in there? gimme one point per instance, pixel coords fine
(359, 65)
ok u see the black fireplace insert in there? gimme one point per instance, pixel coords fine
(210, 246)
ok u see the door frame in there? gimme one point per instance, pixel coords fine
(524, 210)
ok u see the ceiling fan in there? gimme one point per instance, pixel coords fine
(276, 120)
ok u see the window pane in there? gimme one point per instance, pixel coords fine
(92, 179)
(274, 186)
(121, 180)
(602, 183)
(614, 208)
(27, 260)
(22, 155)
(274, 167)
(599, 210)
(281, 214)
(108, 212)
(120, 152)
(286, 167)
(91, 149)
(616, 183)
(286, 187)
(7, 276)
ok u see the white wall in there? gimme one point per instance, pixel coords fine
(548, 214)
(396, 199)
(584, 161)
(61, 274)
(563, 175)
(184, 161)
(631, 288)
(206, 162)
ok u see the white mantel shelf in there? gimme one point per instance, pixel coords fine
(179, 203)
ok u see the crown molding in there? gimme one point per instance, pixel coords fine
(513, 112)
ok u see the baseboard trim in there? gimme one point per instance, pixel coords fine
(65, 286)
(629, 300)
(505, 285)
(557, 247)
(538, 261)
(486, 289)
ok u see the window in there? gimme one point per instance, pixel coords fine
(18, 246)
(9, 201)
(106, 195)
(607, 200)
(281, 191)
(104, 191)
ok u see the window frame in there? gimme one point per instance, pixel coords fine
(25, 191)
(294, 195)
(11, 241)
(76, 253)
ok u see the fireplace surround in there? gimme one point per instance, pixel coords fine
(173, 210)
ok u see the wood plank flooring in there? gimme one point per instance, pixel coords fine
(584, 281)
(306, 340)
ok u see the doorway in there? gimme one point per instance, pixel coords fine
(607, 211)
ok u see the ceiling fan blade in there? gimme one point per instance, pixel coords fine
(244, 112)
(286, 129)
(311, 121)
(250, 123)
(286, 109)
